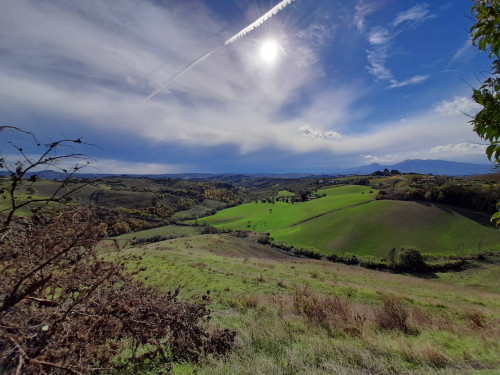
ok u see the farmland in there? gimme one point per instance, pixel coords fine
(349, 219)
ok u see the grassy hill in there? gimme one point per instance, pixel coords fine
(265, 217)
(302, 316)
(348, 219)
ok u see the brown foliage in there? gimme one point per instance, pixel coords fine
(329, 311)
(393, 315)
(64, 308)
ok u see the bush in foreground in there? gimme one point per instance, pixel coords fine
(64, 308)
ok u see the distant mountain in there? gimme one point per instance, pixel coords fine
(436, 167)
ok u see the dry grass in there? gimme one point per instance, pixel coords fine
(393, 315)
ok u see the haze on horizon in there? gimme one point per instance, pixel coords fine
(320, 86)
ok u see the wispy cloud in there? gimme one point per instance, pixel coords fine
(377, 67)
(464, 52)
(379, 35)
(381, 38)
(318, 33)
(363, 9)
(411, 81)
(415, 14)
(458, 150)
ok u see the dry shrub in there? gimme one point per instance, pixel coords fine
(476, 317)
(64, 308)
(393, 315)
(328, 311)
(249, 302)
(426, 355)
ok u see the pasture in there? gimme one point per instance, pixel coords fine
(349, 219)
(302, 316)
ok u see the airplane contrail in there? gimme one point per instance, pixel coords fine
(276, 9)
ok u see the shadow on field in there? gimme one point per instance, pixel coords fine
(479, 217)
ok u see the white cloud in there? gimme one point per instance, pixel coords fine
(364, 9)
(458, 150)
(459, 106)
(101, 166)
(318, 33)
(464, 52)
(120, 167)
(108, 58)
(381, 39)
(329, 135)
(377, 59)
(411, 81)
(379, 35)
(417, 13)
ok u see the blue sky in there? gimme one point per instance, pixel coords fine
(351, 82)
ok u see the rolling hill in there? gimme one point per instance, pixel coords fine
(349, 219)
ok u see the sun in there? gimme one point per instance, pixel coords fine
(269, 51)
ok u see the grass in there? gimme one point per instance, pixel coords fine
(167, 230)
(377, 227)
(298, 316)
(285, 194)
(348, 219)
(267, 217)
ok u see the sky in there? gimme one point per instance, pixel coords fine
(321, 85)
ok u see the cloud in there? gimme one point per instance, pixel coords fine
(92, 65)
(364, 9)
(458, 150)
(411, 81)
(103, 165)
(379, 35)
(459, 105)
(120, 167)
(318, 33)
(415, 14)
(330, 135)
(377, 67)
(381, 39)
(463, 53)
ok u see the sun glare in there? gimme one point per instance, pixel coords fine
(269, 51)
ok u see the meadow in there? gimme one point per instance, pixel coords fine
(349, 219)
(303, 316)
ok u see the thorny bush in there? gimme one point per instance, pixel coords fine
(65, 309)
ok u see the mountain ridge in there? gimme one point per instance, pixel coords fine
(423, 166)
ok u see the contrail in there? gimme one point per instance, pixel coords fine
(276, 9)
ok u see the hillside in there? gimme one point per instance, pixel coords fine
(300, 316)
(348, 219)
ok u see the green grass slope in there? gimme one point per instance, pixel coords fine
(265, 217)
(375, 228)
(301, 316)
(348, 219)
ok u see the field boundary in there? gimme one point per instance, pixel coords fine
(329, 212)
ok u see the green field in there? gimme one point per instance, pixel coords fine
(268, 217)
(272, 299)
(346, 220)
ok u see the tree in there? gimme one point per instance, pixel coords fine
(485, 34)
(410, 259)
